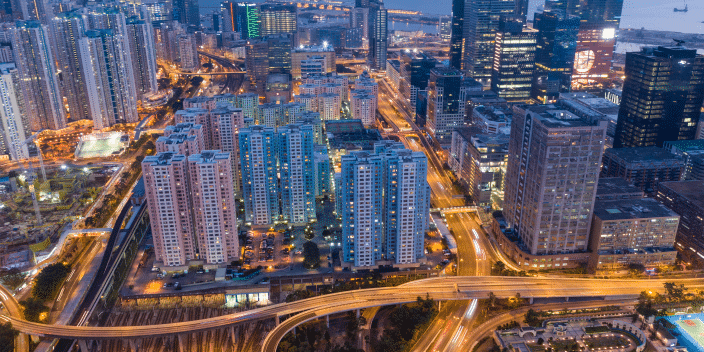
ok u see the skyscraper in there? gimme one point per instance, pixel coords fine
(662, 97)
(188, 53)
(143, 55)
(259, 180)
(295, 147)
(68, 29)
(385, 199)
(594, 54)
(414, 71)
(38, 80)
(228, 10)
(215, 221)
(359, 20)
(521, 10)
(378, 33)
(109, 81)
(554, 57)
(446, 100)
(248, 20)
(551, 178)
(457, 34)
(226, 123)
(481, 22)
(278, 19)
(13, 128)
(514, 61)
(187, 13)
(31, 10)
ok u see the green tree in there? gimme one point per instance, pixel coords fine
(33, 307)
(311, 255)
(674, 292)
(49, 281)
(7, 337)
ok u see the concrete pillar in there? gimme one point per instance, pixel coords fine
(439, 305)
(182, 341)
(277, 320)
(567, 299)
(135, 345)
(327, 321)
(530, 300)
(358, 313)
(233, 337)
(83, 345)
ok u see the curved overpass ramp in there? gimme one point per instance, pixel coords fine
(13, 307)
(449, 288)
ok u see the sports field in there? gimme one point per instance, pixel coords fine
(691, 329)
(99, 145)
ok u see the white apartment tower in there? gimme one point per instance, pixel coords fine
(13, 127)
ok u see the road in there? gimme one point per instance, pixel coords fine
(445, 288)
(13, 308)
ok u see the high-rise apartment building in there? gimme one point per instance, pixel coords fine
(551, 179)
(38, 80)
(140, 36)
(555, 54)
(31, 10)
(481, 21)
(188, 53)
(329, 106)
(14, 129)
(259, 179)
(446, 103)
(514, 61)
(662, 97)
(183, 138)
(109, 81)
(278, 19)
(68, 29)
(384, 201)
(362, 107)
(457, 34)
(215, 220)
(295, 149)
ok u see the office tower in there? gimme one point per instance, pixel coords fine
(228, 10)
(143, 55)
(362, 107)
(215, 221)
(359, 22)
(479, 161)
(184, 138)
(414, 72)
(37, 72)
(187, 13)
(555, 54)
(521, 10)
(445, 28)
(592, 11)
(492, 119)
(378, 34)
(259, 180)
(257, 62)
(13, 128)
(109, 81)
(278, 88)
(446, 100)
(480, 25)
(68, 29)
(278, 19)
(457, 35)
(551, 178)
(166, 181)
(156, 12)
(384, 198)
(662, 97)
(188, 52)
(686, 198)
(514, 61)
(295, 147)
(632, 231)
(248, 20)
(279, 54)
(594, 54)
(644, 167)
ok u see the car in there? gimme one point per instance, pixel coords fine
(169, 284)
(177, 286)
(200, 271)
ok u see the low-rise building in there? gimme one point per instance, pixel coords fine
(693, 153)
(492, 119)
(644, 167)
(686, 198)
(632, 231)
(613, 188)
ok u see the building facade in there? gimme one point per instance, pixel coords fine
(297, 171)
(514, 61)
(686, 198)
(643, 167)
(446, 100)
(259, 179)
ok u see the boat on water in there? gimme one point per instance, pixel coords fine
(685, 9)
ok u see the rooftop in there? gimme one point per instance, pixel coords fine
(685, 146)
(626, 209)
(616, 187)
(693, 191)
(643, 154)
(553, 117)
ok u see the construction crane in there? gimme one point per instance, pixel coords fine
(32, 188)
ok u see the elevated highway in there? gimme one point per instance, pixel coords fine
(442, 289)
(13, 308)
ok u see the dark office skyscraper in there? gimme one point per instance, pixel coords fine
(457, 36)
(521, 11)
(187, 12)
(514, 61)
(662, 97)
(248, 20)
(554, 57)
(480, 26)
(378, 34)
